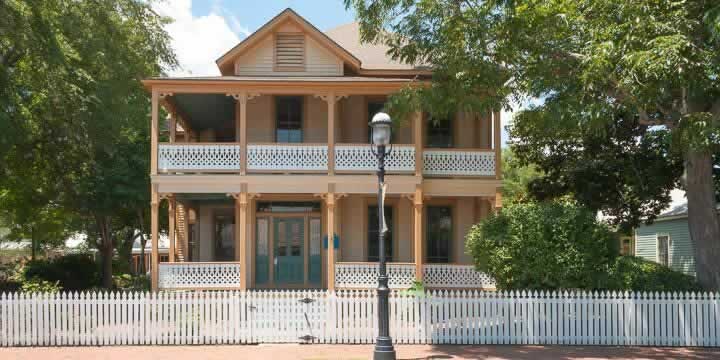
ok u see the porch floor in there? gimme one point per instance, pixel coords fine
(356, 352)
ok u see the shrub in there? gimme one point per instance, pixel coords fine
(634, 273)
(73, 271)
(129, 282)
(41, 286)
(549, 245)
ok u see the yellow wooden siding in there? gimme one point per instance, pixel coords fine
(260, 61)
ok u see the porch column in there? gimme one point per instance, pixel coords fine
(241, 210)
(418, 231)
(171, 228)
(241, 100)
(418, 140)
(172, 127)
(331, 134)
(154, 132)
(154, 202)
(330, 208)
(497, 145)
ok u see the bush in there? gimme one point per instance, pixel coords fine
(74, 272)
(634, 273)
(552, 245)
(128, 282)
(40, 286)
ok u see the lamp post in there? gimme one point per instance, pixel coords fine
(381, 133)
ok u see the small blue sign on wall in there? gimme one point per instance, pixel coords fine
(336, 242)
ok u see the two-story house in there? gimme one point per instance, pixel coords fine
(270, 178)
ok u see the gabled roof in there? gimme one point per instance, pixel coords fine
(288, 14)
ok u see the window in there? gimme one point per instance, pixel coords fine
(439, 233)
(663, 243)
(288, 110)
(373, 108)
(626, 246)
(289, 52)
(373, 233)
(440, 132)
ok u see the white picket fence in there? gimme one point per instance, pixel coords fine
(349, 317)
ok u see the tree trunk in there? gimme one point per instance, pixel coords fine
(33, 246)
(703, 218)
(106, 249)
(141, 221)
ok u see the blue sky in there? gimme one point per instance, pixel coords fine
(324, 14)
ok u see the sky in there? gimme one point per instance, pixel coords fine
(203, 30)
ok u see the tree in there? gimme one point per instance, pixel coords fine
(592, 61)
(544, 246)
(516, 178)
(71, 94)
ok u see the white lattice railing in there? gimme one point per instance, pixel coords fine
(458, 162)
(359, 157)
(197, 157)
(287, 157)
(190, 275)
(455, 276)
(365, 275)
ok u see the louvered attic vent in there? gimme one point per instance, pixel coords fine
(289, 52)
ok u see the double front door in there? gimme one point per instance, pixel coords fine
(288, 251)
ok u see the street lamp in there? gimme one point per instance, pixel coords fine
(381, 134)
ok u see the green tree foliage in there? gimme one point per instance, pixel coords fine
(74, 110)
(648, 64)
(561, 245)
(543, 246)
(516, 178)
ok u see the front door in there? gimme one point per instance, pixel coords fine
(289, 236)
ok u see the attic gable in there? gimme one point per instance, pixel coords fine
(287, 45)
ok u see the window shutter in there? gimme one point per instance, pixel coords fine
(289, 52)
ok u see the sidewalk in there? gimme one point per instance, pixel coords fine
(355, 352)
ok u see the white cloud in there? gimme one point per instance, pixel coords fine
(199, 40)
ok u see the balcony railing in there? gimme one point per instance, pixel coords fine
(455, 276)
(461, 162)
(287, 157)
(303, 157)
(359, 157)
(199, 157)
(365, 275)
(196, 275)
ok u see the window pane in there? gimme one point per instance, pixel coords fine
(663, 246)
(289, 119)
(439, 233)
(373, 234)
(439, 133)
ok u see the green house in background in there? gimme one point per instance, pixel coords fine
(667, 241)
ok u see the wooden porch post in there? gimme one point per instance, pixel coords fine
(241, 100)
(418, 231)
(172, 127)
(331, 132)
(154, 256)
(496, 143)
(418, 140)
(241, 209)
(330, 208)
(154, 108)
(171, 228)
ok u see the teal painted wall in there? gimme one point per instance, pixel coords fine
(681, 248)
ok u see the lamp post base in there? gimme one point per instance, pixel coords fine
(384, 349)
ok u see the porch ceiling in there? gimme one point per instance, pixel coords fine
(206, 111)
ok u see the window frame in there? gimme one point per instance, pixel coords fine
(301, 115)
(391, 233)
(369, 115)
(451, 238)
(450, 120)
(668, 242)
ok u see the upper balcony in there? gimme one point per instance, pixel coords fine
(316, 134)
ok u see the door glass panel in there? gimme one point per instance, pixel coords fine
(289, 241)
(315, 275)
(262, 263)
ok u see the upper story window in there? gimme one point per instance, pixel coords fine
(289, 52)
(440, 132)
(288, 113)
(438, 233)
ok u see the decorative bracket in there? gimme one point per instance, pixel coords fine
(163, 95)
(243, 97)
(166, 196)
(326, 97)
